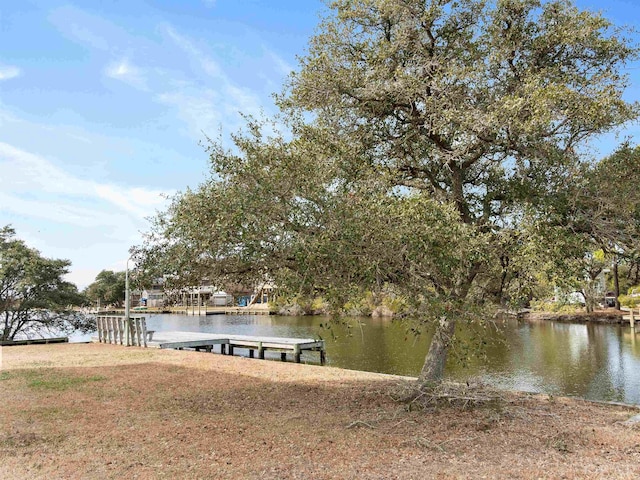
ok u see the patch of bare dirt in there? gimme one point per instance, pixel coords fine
(100, 411)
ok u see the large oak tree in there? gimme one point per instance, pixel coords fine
(432, 145)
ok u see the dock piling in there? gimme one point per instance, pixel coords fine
(296, 353)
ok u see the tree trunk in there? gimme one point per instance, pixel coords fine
(588, 299)
(616, 282)
(433, 368)
(7, 328)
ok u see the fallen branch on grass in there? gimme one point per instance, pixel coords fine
(359, 423)
(457, 395)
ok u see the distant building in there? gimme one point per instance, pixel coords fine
(203, 295)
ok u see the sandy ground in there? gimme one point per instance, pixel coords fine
(102, 411)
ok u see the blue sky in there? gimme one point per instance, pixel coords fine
(103, 105)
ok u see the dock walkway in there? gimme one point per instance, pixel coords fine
(229, 342)
(116, 330)
(255, 310)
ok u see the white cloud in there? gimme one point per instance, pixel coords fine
(205, 108)
(209, 3)
(85, 35)
(83, 277)
(54, 210)
(91, 30)
(35, 184)
(199, 110)
(282, 65)
(92, 223)
(8, 72)
(125, 71)
(208, 64)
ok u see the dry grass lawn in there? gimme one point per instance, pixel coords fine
(101, 411)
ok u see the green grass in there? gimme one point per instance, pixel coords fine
(50, 380)
(62, 382)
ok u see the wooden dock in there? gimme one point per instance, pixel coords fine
(116, 330)
(226, 311)
(229, 342)
(33, 341)
(246, 311)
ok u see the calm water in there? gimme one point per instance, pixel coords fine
(600, 362)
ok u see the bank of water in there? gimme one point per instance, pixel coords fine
(593, 361)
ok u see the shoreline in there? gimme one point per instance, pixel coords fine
(610, 316)
(104, 411)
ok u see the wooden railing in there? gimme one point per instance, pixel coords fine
(631, 317)
(114, 329)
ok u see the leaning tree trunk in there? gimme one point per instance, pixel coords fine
(433, 368)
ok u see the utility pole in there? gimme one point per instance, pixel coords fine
(127, 305)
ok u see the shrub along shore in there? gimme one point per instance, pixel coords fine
(104, 411)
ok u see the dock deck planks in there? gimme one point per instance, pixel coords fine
(227, 342)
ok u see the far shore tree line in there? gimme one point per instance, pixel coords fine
(437, 151)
